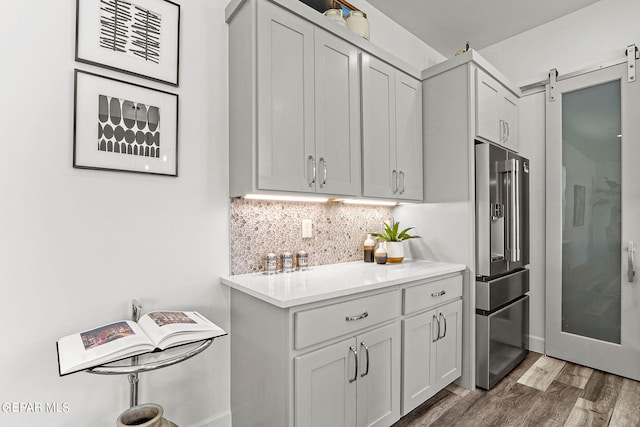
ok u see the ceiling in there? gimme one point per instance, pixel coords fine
(446, 25)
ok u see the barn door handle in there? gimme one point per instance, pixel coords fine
(631, 273)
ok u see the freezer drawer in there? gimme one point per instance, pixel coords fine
(491, 294)
(502, 341)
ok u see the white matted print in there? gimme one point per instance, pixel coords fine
(139, 37)
(124, 127)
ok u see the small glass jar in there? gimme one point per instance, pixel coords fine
(287, 262)
(302, 258)
(270, 260)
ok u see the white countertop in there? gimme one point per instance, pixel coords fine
(334, 280)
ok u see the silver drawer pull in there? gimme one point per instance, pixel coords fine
(358, 317)
(438, 294)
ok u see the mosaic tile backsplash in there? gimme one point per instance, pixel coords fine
(259, 227)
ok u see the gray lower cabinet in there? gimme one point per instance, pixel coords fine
(354, 361)
(392, 132)
(432, 353)
(294, 105)
(448, 349)
(355, 382)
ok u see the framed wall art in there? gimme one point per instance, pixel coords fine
(121, 126)
(139, 37)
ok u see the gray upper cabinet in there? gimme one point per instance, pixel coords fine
(392, 132)
(465, 99)
(337, 115)
(496, 112)
(285, 101)
(409, 137)
(294, 106)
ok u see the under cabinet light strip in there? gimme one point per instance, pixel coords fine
(369, 202)
(312, 199)
(279, 198)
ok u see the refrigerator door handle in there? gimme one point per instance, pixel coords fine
(511, 169)
(515, 211)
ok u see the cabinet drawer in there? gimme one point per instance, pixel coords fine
(323, 323)
(423, 296)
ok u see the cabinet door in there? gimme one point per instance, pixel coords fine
(378, 128)
(509, 107)
(418, 366)
(337, 108)
(285, 100)
(409, 137)
(448, 349)
(324, 392)
(379, 377)
(488, 121)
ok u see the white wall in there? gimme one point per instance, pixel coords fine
(78, 245)
(532, 127)
(590, 36)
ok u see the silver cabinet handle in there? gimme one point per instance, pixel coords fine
(403, 181)
(444, 334)
(394, 178)
(438, 294)
(631, 273)
(358, 317)
(506, 138)
(324, 172)
(355, 357)
(502, 132)
(436, 321)
(366, 351)
(313, 167)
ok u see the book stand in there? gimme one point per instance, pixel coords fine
(150, 361)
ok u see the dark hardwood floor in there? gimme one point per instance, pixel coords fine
(541, 391)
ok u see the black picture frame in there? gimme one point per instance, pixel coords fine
(145, 43)
(124, 127)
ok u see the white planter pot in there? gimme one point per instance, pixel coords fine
(395, 251)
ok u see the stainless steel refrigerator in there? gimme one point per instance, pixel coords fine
(502, 254)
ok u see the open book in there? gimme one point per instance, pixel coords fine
(154, 331)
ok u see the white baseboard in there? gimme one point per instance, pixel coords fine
(220, 420)
(536, 344)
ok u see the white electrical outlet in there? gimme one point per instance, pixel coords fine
(307, 229)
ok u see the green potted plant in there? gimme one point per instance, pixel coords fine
(393, 237)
